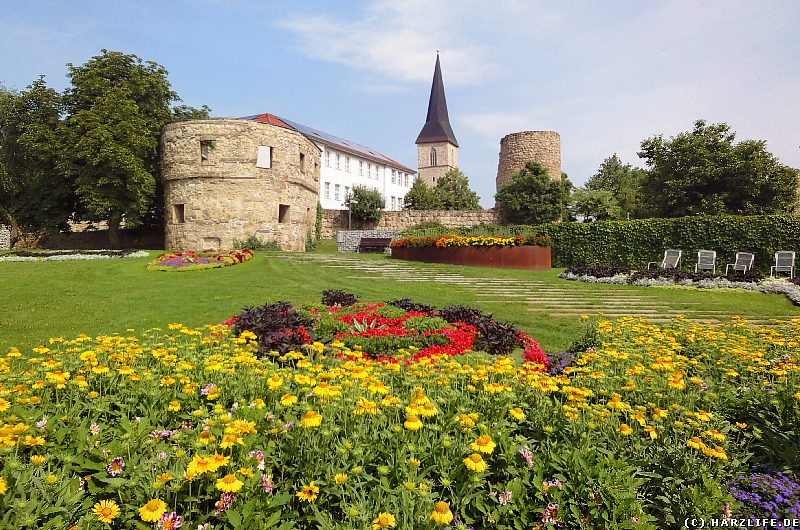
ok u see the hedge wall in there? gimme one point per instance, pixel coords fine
(634, 243)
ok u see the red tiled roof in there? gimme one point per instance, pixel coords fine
(270, 119)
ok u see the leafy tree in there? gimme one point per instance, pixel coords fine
(185, 112)
(365, 203)
(595, 205)
(705, 172)
(452, 192)
(35, 195)
(117, 105)
(422, 197)
(530, 197)
(625, 184)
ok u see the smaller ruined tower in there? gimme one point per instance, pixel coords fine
(517, 148)
(437, 147)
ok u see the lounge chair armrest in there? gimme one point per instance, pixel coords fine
(653, 263)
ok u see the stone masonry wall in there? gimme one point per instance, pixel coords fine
(335, 220)
(5, 238)
(347, 240)
(446, 159)
(517, 148)
(212, 202)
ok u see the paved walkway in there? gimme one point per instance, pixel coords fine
(559, 299)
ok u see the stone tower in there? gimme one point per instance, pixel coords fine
(437, 147)
(517, 148)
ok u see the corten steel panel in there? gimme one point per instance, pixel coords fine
(524, 257)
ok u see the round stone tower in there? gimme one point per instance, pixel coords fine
(517, 148)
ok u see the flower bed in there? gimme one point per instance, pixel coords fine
(671, 277)
(68, 255)
(190, 260)
(193, 427)
(531, 253)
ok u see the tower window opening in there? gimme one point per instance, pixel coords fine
(433, 157)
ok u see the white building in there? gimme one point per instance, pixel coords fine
(346, 164)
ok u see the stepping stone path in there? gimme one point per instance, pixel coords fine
(541, 297)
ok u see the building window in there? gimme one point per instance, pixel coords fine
(433, 156)
(337, 192)
(373, 170)
(338, 161)
(264, 158)
(394, 176)
(302, 161)
(177, 213)
(393, 202)
(327, 190)
(327, 158)
(347, 164)
(205, 150)
(347, 192)
(283, 213)
(361, 168)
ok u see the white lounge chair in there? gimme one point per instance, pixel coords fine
(672, 258)
(784, 262)
(706, 261)
(744, 262)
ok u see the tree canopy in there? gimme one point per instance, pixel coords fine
(451, 192)
(365, 203)
(704, 172)
(531, 197)
(595, 205)
(35, 195)
(624, 182)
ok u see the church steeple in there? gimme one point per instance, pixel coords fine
(437, 123)
(437, 147)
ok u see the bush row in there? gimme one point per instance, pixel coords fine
(635, 243)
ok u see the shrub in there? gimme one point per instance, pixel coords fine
(332, 297)
(253, 243)
(495, 337)
(424, 323)
(598, 271)
(278, 327)
(366, 204)
(637, 242)
(410, 305)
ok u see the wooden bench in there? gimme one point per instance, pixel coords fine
(376, 244)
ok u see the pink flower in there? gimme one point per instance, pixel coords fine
(170, 521)
(116, 466)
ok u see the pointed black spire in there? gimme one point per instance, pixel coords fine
(437, 123)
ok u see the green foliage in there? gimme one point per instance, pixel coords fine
(705, 172)
(318, 222)
(422, 197)
(624, 182)
(635, 243)
(35, 195)
(423, 323)
(185, 112)
(531, 197)
(365, 203)
(452, 192)
(426, 225)
(253, 243)
(595, 205)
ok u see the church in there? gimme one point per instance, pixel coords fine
(226, 179)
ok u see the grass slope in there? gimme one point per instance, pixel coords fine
(48, 299)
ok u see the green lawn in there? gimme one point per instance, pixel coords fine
(47, 299)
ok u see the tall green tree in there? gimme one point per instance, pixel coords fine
(451, 192)
(624, 182)
(35, 194)
(595, 205)
(365, 203)
(704, 172)
(117, 105)
(530, 197)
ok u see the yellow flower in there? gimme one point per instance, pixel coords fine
(475, 462)
(311, 419)
(441, 513)
(288, 400)
(624, 429)
(174, 406)
(38, 460)
(205, 437)
(340, 478)
(106, 511)
(695, 443)
(229, 483)
(483, 444)
(413, 462)
(741, 425)
(412, 423)
(517, 413)
(384, 520)
(4, 405)
(716, 452)
(275, 382)
(229, 440)
(3, 486)
(34, 440)
(308, 493)
(365, 406)
(152, 511)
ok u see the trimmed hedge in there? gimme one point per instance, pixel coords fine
(635, 243)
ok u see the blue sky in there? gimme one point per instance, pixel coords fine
(605, 75)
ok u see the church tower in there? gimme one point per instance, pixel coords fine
(437, 147)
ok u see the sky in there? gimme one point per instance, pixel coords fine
(604, 75)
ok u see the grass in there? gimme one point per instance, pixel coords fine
(49, 299)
